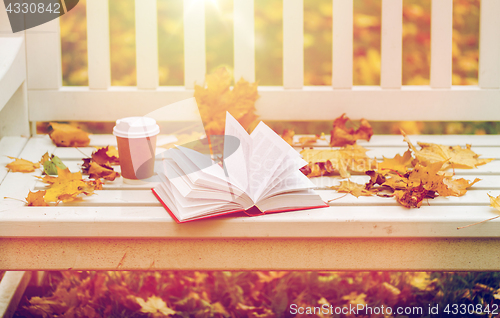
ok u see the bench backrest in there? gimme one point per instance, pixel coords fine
(49, 100)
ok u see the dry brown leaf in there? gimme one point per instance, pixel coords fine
(36, 198)
(216, 97)
(412, 197)
(106, 156)
(342, 136)
(22, 165)
(64, 135)
(156, 306)
(353, 188)
(97, 171)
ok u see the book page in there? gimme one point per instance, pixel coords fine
(236, 155)
(268, 152)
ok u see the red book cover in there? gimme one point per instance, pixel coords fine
(253, 211)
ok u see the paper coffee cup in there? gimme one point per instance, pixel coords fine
(136, 139)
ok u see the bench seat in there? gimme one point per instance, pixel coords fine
(124, 227)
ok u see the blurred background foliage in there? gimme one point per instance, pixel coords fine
(269, 51)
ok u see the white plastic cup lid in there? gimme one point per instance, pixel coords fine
(136, 127)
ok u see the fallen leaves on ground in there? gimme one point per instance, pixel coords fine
(22, 165)
(216, 97)
(495, 202)
(341, 136)
(64, 135)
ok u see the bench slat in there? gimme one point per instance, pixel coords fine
(333, 222)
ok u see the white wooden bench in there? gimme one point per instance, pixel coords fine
(124, 227)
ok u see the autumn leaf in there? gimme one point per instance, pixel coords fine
(411, 197)
(107, 156)
(216, 97)
(156, 306)
(36, 198)
(495, 202)
(97, 171)
(64, 135)
(342, 136)
(22, 165)
(457, 187)
(51, 163)
(398, 163)
(67, 191)
(353, 188)
(456, 156)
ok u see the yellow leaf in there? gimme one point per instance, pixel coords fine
(495, 202)
(67, 191)
(353, 188)
(398, 163)
(22, 165)
(456, 156)
(155, 305)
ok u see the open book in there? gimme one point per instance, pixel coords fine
(259, 174)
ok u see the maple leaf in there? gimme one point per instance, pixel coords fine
(64, 135)
(353, 188)
(67, 191)
(156, 306)
(398, 163)
(457, 187)
(22, 165)
(36, 198)
(106, 156)
(495, 202)
(216, 97)
(97, 171)
(342, 136)
(456, 156)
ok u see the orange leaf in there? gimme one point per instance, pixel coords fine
(36, 199)
(22, 165)
(64, 135)
(342, 136)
